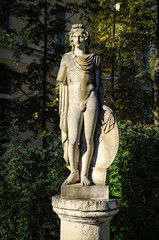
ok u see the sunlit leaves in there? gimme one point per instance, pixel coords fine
(125, 39)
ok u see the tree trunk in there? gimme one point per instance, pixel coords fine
(113, 56)
(44, 76)
(156, 80)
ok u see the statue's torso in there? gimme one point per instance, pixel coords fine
(80, 81)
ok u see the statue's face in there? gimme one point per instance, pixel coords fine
(78, 39)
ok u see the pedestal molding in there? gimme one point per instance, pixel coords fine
(85, 205)
(85, 217)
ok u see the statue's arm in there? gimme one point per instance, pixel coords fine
(61, 77)
(63, 91)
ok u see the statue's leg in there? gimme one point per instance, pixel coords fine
(75, 120)
(90, 120)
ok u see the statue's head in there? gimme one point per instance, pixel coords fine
(82, 30)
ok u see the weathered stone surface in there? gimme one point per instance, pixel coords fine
(105, 149)
(85, 205)
(84, 119)
(78, 191)
(85, 219)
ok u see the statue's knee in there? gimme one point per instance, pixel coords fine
(72, 143)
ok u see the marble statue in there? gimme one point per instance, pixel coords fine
(89, 130)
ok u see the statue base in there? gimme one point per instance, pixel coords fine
(83, 219)
(78, 191)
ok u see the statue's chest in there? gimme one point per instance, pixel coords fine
(75, 74)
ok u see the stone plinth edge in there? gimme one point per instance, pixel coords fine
(85, 205)
(78, 191)
(85, 209)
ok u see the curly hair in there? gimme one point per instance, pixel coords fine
(75, 28)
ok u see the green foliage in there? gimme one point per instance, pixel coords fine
(29, 178)
(134, 179)
(40, 37)
(124, 39)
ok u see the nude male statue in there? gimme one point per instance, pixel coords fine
(81, 96)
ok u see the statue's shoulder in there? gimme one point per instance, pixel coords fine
(67, 55)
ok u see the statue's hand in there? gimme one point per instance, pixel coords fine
(106, 108)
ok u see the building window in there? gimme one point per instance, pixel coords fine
(4, 108)
(6, 91)
(5, 84)
(4, 14)
(60, 37)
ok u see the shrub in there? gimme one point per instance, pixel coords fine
(135, 180)
(29, 178)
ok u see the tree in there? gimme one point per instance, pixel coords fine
(26, 187)
(43, 31)
(126, 38)
(156, 70)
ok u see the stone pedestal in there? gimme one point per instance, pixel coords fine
(83, 219)
(78, 191)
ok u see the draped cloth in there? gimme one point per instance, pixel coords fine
(87, 63)
(63, 109)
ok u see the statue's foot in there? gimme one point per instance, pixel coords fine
(72, 178)
(85, 181)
